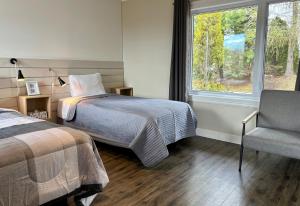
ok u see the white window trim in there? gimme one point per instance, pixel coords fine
(259, 60)
(209, 97)
(196, 6)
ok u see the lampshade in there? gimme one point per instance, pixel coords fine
(20, 75)
(61, 82)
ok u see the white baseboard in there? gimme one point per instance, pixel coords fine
(219, 136)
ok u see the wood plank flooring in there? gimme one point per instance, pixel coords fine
(200, 172)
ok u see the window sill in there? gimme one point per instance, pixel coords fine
(246, 100)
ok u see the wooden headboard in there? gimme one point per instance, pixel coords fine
(33, 69)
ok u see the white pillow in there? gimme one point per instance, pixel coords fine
(86, 85)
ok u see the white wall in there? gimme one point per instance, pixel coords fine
(147, 29)
(221, 121)
(61, 29)
(147, 50)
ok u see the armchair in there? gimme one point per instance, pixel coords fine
(277, 125)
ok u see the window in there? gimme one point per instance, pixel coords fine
(282, 48)
(223, 50)
(227, 56)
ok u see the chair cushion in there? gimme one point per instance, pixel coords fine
(280, 110)
(279, 142)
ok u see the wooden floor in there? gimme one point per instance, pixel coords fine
(200, 172)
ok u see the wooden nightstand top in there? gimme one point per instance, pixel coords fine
(34, 97)
(127, 91)
(123, 88)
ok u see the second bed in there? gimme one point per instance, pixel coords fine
(146, 126)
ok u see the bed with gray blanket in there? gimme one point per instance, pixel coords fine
(41, 162)
(146, 126)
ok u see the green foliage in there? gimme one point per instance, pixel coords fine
(241, 21)
(209, 62)
(211, 70)
(208, 86)
(208, 44)
(277, 47)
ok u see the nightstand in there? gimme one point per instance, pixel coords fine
(29, 105)
(126, 91)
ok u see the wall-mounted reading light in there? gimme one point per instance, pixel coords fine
(13, 61)
(20, 76)
(54, 74)
(61, 82)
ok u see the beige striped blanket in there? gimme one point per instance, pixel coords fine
(41, 162)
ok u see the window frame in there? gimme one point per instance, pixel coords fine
(260, 48)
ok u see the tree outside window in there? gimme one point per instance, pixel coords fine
(282, 52)
(224, 49)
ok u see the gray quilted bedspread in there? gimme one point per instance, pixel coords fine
(146, 126)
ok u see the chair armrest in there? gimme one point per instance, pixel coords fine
(247, 119)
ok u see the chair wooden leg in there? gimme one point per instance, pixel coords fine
(241, 157)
